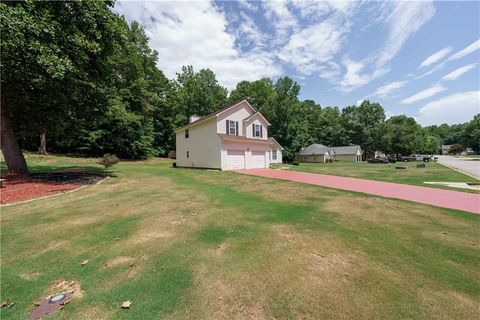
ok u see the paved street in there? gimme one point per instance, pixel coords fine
(466, 165)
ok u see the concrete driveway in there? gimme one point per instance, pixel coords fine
(468, 166)
(436, 197)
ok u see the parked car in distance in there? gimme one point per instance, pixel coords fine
(409, 158)
(378, 160)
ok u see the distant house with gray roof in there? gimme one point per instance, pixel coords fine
(321, 153)
(347, 153)
(315, 153)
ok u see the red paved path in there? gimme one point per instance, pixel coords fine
(436, 197)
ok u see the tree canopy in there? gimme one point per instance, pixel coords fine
(81, 78)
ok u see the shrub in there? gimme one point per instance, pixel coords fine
(108, 160)
(295, 163)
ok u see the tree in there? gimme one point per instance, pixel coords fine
(197, 93)
(50, 51)
(471, 134)
(331, 131)
(456, 148)
(400, 135)
(361, 124)
(260, 94)
(431, 144)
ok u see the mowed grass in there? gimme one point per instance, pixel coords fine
(433, 172)
(221, 245)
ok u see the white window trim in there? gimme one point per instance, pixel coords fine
(274, 154)
(232, 125)
(257, 132)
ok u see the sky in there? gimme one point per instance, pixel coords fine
(415, 58)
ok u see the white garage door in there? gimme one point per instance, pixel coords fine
(235, 160)
(257, 160)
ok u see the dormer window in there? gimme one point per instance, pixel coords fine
(232, 127)
(257, 130)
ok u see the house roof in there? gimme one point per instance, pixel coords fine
(275, 142)
(256, 114)
(314, 149)
(346, 149)
(211, 115)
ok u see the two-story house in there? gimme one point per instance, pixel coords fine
(232, 138)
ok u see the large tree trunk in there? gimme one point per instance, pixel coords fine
(11, 150)
(43, 142)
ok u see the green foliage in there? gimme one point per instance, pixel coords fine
(471, 134)
(109, 160)
(400, 135)
(295, 163)
(197, 93)
(82, 74)
(456, 148)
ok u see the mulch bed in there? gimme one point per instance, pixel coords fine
(26, 187)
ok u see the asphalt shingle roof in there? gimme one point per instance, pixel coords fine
(314, 149)
(321, 149)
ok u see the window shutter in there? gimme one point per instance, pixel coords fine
(261, 131)
(253, 129)
(228, 127)
(236, 127)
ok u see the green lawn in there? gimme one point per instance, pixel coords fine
(221, 245)
(434, 172)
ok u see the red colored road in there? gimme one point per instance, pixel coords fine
(436, 197)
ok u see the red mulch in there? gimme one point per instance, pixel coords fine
(21, 187)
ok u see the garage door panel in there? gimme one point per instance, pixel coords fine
(257, 159)
(235, 159)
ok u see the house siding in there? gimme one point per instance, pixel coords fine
(249, 130)
(312, 158)
(279, 156)
(203, 144)
(346, 157)
(238, 113)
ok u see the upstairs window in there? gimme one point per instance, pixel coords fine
(187, 134)
(188, 154)
(257, 130)
(232, 127)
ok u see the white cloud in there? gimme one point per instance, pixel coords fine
(386, 90)
(249, 5)
(466, 51)
(283, 20)
(312, 49)
(460, 54)
(456, 108)
(435, 57)
(195, 33)
(457, 73)
(402, 19)
(405, 20)
(427, 93)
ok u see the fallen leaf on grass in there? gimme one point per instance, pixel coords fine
(84, 262)
(126, 304)
(11, 304)
(4, 303)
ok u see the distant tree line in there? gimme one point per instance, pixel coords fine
(77, 78)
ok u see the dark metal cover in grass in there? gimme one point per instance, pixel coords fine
(50, 305)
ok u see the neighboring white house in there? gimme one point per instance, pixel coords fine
(320, 153)
(235, 137)
(347, 153)
(315, 153)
